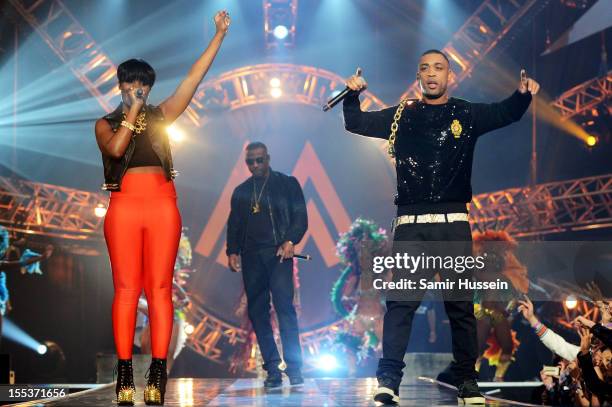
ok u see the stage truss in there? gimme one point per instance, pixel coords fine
(554, 207)
(50, 210)
(482, 31)
(75, 47)
(584, 97)
(270, 83)
(280, 12)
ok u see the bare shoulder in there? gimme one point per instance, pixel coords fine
(102, 125)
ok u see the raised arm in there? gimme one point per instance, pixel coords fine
(492, 116)
(176, 104)
(371, 124)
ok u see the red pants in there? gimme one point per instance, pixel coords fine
(142, 230)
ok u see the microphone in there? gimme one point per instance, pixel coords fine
(139, 93)
(340, 96)
(302, 256)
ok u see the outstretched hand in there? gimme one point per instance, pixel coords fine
(585, 340)
(526, 308)
(527, 84)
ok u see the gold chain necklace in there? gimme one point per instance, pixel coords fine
(141, 122)
(395, 127)
(256, 199)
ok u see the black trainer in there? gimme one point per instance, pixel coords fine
(274, 380)
(469, 394)
(387, 392)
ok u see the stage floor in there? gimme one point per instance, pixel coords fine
(249, 392)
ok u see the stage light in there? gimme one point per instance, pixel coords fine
(327, 362)
(175, 134)
(189, 329)
(571, 302)
(276, 92)
(100, 211)
(591, 141)
(281, 32)
(14, 333)
(275, 82)
(42, 349)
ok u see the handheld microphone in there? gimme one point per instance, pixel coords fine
(302, 256)
(139, 93)
(340, 96)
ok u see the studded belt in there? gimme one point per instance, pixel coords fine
(430, 218)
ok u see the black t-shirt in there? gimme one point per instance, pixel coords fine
(435, 144)
(259, 233)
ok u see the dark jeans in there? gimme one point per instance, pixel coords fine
(399, 314)
(263, 274)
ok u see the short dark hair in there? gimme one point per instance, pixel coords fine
(134, 70)
(255, 145)
(436, 51)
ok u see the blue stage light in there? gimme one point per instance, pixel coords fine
(327, 362)
(42, 349)
(281, 32)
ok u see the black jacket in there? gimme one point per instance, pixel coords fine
(115, 168)
(285, 200)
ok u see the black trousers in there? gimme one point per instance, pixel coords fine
(263, 274)
(399, 314)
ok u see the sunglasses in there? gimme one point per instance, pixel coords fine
(258, 160)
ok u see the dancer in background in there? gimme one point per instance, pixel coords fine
(13, 259)
(143, 224)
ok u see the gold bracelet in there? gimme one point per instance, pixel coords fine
(129, 125)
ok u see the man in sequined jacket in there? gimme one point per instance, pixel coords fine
(433, 146)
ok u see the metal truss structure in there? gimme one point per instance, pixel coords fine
(73, 45)
(554, 207)
(51, 210)
(584, 97)
(270, 83)
(279, 12)
(477, 37)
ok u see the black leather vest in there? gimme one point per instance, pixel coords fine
(115, 168)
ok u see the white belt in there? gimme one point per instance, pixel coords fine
(431, 218)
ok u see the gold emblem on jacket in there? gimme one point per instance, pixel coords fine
(456, 128)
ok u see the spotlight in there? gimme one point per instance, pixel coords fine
(275, 82)
(591, 141)
(276, 92)
(189, 329)
(281, 32)
(100, 211)
(42, 349)
(571, 302)
(327, 362)
(175, 134)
